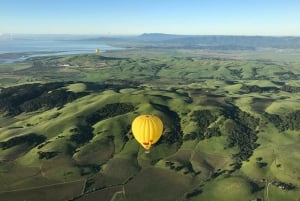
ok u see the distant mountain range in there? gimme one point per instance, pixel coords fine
(204, 41)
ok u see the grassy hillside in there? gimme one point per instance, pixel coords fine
(230, 129)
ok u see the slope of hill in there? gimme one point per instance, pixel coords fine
(207, 139)
(231, 128)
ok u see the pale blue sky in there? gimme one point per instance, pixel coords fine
(217, 17)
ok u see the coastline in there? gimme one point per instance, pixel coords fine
(18, 50)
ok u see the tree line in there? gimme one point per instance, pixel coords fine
(31, 97)
(237, 125)
(31, 139)
(285, 122)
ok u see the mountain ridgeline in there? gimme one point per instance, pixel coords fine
(213, 42)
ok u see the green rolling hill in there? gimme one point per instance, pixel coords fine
(231, 128)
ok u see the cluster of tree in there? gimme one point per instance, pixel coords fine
(81, 134)
(291, 89)
(187, 166)
(280, 83)
(238, 126)
(260, 163)
(244, 118)
(290, 121)
(29, 91)
(88, 169)
(193, 193)
(47, 155)
(126, 133)
(258, 89)
(240, 129)
(235, 72)
(174, 134)
(108, 111)
(12, 97)
(30, 139)
(283, 185)
(242, 136)
(212, 131)
(121, 83)
(204, 118)
(56, 98)
(41, 64)
(31, 97)
(287, 75)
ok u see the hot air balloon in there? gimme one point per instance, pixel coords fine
(97, 51)
(147, 130)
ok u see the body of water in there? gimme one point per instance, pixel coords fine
(20, 48)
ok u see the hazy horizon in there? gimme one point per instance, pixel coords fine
(133, 17)
(82, 36)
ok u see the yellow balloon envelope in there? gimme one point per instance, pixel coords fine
(147, 130)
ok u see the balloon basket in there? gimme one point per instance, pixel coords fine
(147, 151)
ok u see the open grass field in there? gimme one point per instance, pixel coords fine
(59, 191)
(157, 184)
(230, 127)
